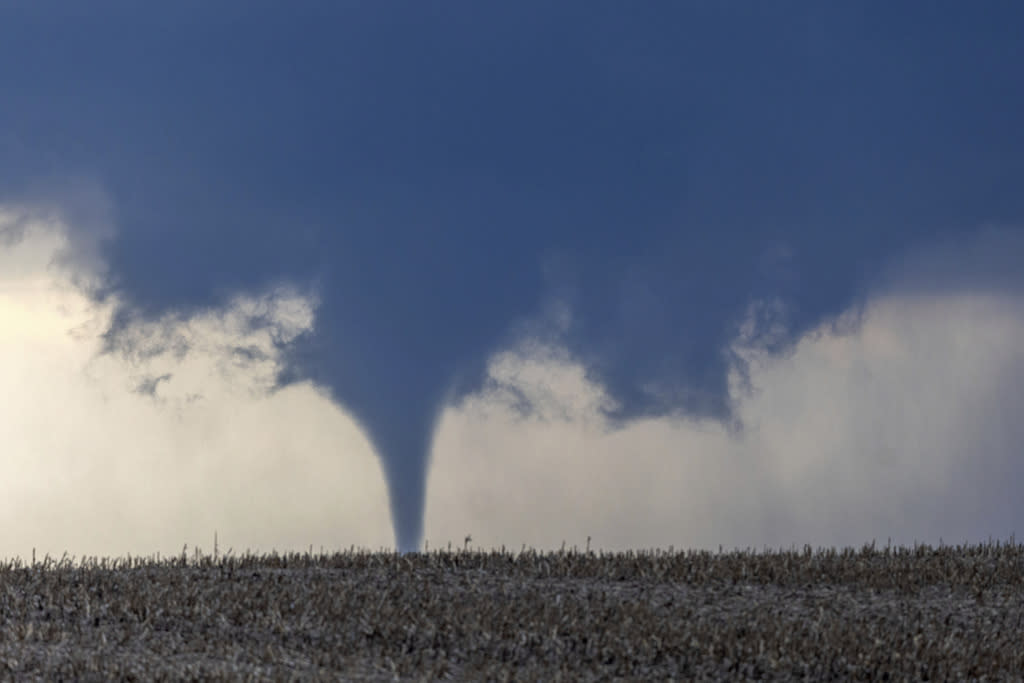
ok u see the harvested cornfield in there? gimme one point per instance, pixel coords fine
(922, 613)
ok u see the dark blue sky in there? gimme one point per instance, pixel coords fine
(439, 171)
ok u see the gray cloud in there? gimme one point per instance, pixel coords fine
(92, 465)
(898, 419)
(985, 261)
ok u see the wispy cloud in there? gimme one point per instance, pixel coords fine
(175, 435)
(900, 419)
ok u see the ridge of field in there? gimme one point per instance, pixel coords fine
(951, 612)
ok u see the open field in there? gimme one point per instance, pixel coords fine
(923, 613)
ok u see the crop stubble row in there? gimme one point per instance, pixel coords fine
(953, 612)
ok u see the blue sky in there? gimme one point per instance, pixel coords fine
(435, 220)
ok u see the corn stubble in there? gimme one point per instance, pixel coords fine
(953, 612)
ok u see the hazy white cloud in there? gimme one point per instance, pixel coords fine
(146, 451)
(901, 420)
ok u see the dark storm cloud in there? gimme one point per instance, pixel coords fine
(440, 172)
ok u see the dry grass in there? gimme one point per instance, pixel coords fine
(922, 613)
